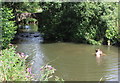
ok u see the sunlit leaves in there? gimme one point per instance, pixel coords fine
(80, 22)
(8, 27)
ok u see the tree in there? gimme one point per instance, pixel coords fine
(85, 22)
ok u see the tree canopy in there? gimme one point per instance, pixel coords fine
(84, 22)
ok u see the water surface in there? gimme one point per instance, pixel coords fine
(74, 62)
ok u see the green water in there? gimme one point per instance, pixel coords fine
(73, 62)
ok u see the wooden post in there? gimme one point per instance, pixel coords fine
(108, 42)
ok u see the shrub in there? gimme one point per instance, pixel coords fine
(8, 26)
(84, 22)
(30, 20)
(13, 67)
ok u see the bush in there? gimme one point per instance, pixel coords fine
(84, 22)
(8, 26)
(30, 20)
(14, 68)
(12, 65)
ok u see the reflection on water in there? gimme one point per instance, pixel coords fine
(74, 62)
(99, 60)
(35, 59)
(28, 28)
(77, 61)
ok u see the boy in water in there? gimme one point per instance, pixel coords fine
(98, 53)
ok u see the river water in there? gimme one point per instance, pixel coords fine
(73, 62)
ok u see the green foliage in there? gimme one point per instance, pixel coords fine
(112, 23)
(8, 26)
(23, 7)
(31, 7)
(85, 22)
(13, 67)
(30, 20)
(47, 72)
(50, 21)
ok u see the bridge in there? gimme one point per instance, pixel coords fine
(22, 16)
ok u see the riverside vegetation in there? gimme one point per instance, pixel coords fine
(83, 22)
(12, 64)
(13, 67)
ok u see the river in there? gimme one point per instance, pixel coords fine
(73, 62)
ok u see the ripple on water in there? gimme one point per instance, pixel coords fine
(75, 61)
(112, 72)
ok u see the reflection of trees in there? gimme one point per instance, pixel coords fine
(36, 57)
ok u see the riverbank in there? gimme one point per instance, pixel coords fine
(13, 67)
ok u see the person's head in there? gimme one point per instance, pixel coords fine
(97, 50)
